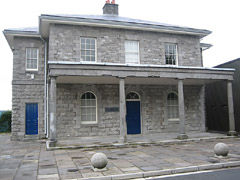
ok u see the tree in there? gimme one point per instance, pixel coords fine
(6, 121)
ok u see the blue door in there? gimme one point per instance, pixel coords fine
(31, 119)
(133, 117)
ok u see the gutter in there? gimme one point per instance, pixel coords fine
(45, 89)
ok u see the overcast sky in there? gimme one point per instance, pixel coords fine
(219, 16)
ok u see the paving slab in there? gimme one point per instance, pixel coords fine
(31, 160)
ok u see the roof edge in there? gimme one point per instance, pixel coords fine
(140, 65)
(144, 25)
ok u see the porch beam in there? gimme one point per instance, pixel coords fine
(182, 134)
(52, 109)
(232, 131)
(122, 105)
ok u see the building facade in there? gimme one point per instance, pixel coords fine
(99, 76)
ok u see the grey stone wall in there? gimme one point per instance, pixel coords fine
(64, 45)
(19, 58)
(24, 89)
(22, 94)
(153, 109)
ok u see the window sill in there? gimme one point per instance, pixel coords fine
(89, 124)
(174, 120)
(32, 70)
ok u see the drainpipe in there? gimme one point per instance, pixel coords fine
(45, 90)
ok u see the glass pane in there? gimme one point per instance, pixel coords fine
(87, 58)
(94, 117)
(88, 46)
(93, 41)
(93, 110)
(82, 41)
(92, 58)
(84, 117)
(93, 46)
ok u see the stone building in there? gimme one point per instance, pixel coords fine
(105, 75)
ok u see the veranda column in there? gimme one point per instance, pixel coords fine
(182, 134)
(232, 131)
(52, 111)
(122, 105)
(202, 108)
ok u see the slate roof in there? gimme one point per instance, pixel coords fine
(114, 19)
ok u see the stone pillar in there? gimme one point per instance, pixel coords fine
(182, 134)
(232, 131)
(202, 109)
(52, 111)
(122, 105)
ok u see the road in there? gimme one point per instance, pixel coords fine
(225, 174)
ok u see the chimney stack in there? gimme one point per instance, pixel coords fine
(110, 8)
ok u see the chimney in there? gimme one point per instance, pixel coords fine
(110, 8)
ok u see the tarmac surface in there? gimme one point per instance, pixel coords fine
(30, 160)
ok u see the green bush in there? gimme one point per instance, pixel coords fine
(6, 121)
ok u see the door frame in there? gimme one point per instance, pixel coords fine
(140, 110)
(26, 119)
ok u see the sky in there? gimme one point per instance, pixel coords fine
(219, 16)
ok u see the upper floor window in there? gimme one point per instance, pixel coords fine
(171, 56)
(172, 106)
(32, 59)
(132, 52)
(88, 108)
(88, 49)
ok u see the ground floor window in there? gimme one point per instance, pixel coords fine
(88, 108)
(172, 106)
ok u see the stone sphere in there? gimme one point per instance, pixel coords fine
(221, 149)
(99, 160)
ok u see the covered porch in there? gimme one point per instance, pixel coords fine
(126, 76)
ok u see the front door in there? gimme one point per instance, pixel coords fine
(133, 116)
(31, 119)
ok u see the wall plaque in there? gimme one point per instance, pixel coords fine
(112, 109)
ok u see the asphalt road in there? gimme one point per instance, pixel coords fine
(226, 174)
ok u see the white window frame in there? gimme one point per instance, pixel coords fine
(29, 69)
(95, 39)
(169, 109)
(176, 50)
(128, 52)
(96, 107)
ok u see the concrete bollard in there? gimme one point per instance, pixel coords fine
(99, 160)
(221, 149)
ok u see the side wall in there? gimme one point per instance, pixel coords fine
(64, 45)
(153, 110)
(25, 89)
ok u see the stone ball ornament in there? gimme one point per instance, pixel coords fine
(221, 149)
(99, 160)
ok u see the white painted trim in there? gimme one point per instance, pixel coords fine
(139, 65)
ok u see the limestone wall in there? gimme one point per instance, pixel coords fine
(64, 45)
(153, 110)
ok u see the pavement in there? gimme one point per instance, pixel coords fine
(31, 159)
